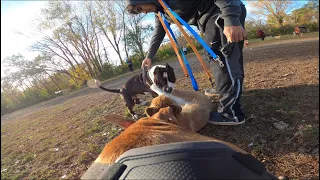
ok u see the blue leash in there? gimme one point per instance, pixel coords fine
(193, 80)
(209, 50)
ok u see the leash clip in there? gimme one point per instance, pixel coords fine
(220, 62)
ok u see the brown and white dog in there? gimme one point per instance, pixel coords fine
(160, 76)
(195, 108)
(160, 128)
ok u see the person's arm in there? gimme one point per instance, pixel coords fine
(157, 37)
(230, 12)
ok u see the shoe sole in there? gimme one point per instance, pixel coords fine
(226, 123)
(211, 95)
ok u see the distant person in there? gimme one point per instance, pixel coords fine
(184, 49)
(129, 64)
(296, 31)
(261, 34)
(246, 42)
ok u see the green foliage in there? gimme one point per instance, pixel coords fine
(29, 97)
(278, 20)
(5, 104)
(165, 51)
(121, 69)
(309, 13)
(313, 27)
(107, 71)
(33, 96)
(136, 60)
(110, 71)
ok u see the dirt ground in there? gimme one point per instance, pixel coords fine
(60, 138)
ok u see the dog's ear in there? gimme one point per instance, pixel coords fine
(156, 70)
(176, 109)
(170, 72)
(118, 120)
(150, 111)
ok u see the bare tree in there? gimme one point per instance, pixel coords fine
(137, 34)
(124, 15)
(74, 39)
(110, 24)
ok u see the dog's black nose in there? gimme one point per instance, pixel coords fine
(168, 89)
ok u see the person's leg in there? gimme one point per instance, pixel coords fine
(130, 67)
(213, 40)
(237, 107)
(228, 79)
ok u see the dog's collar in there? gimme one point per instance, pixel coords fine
(146, 78)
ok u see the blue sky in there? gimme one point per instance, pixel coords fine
(9, 5)
(17, 16)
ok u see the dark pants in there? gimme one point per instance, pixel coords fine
(228, 79)
(130, 67)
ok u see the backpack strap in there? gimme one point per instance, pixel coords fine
(187, 160)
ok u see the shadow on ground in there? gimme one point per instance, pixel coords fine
(295, 105)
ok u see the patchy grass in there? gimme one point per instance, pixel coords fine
(281, 84)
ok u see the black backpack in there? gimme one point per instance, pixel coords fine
(186, 160)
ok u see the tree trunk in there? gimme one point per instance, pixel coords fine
(116, 48)
(53, 80)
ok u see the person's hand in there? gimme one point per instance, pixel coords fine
(146, 62)
(234, 33)
(246, 42)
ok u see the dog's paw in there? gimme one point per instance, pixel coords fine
(135, 116)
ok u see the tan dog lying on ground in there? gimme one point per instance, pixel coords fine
(158, 129)
(155, 130)
(196, 108)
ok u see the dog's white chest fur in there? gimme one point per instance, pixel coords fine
(177, 100)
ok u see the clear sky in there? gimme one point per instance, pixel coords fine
(17, 16)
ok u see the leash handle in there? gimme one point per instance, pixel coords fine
(175, 45)
(170, 13)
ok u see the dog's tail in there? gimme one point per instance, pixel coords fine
(110, 90)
